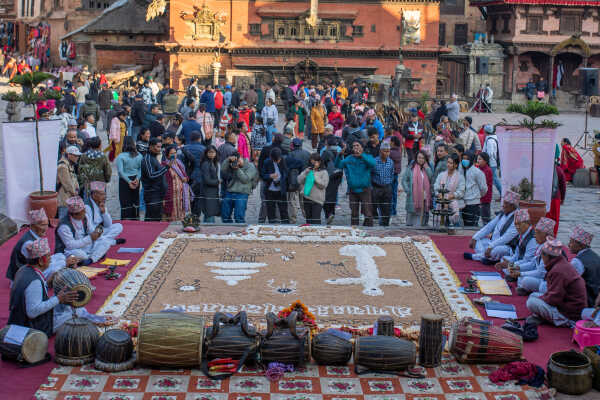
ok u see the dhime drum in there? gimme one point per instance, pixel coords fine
(431, 340)
(284, 341)
(74, 280)
(231, 338)
(383, 354)
(329, 349)
(33, 349)
(114, 351)
(170, 339)
(75, 342)
(475, 341)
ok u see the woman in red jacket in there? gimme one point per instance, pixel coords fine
(336, 119)
(483, 160)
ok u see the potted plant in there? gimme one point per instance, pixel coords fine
(533, 110)
(43, 198)
(12, 109)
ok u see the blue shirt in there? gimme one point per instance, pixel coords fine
(227, 98)
(129, 166)
(188, 127)
(383, 173)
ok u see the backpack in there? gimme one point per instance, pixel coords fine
(188, 162)
(293, 185)
(497, 152)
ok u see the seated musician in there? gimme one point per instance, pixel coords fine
(533, 280)
(565, 298)
(95, 211)
(75, 235)
(586, 262)
(493, 241)
(523, 258)
(591, 315)
(38, 226)
(30, 303)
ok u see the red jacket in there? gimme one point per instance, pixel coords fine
(489, 180)
(566, 289)
(218, 99)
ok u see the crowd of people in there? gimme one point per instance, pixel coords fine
(206, 152)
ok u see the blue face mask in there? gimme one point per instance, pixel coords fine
(466, 163)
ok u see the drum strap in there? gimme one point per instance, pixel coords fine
(226, 375)
(407, 373)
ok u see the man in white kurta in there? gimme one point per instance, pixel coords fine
(492, 242)
(532, 279)
(76, 236)
(96, 214)
(522, 259)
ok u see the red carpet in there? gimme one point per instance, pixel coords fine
(551, 339)
(22, 383)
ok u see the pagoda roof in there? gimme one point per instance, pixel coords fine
(124, 17)
(567, 3)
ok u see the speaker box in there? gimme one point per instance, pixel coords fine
(482, 65)
(588, 81)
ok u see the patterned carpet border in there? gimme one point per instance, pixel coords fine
(158, 255)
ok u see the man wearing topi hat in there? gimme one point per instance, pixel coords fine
(524, 254)
(75, 235)
(493, 241)
(565, 298)
(30, 303)
(38, 227)
(532, 280)
(586, 262)
(96, 213)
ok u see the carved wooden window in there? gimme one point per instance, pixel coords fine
(442, 34)
(333, 31)
(255, 29)
(461, 32)
(570, 23)
(506, 28)
(357, 30)
(295, 30)
(534, 24)
(494, 21)
(321, 31)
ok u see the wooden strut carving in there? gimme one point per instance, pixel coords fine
(574, 41)
(155, 9)
(203, 17)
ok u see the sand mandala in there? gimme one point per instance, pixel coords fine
(343, 275)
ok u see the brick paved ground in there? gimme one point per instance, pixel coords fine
(581, 206)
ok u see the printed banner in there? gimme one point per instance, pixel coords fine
(21, 173)
(515, 157)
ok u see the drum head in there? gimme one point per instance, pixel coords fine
(35, 346)
(84, 295)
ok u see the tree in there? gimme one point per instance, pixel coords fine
(29, 81)
(534, 109)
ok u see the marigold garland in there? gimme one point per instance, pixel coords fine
(304, 315)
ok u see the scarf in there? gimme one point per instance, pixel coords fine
(451, 182)
(309, 183)
(179, 169)
(420, 189)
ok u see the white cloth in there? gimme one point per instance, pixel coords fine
(111, 231)
(57, 261)
(34, 305)
(498, 243)
(545, 311)
(527, 261)
(81, 245)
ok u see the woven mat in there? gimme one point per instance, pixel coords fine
(343, 276)
(450, 381)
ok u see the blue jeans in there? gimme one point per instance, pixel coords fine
(235, 202)
(270, 129)
(142, 203)
(79, 106)
(497, 182)
(135, 132)
(394, 194)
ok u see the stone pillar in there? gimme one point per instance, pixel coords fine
(550, 80)
(216, 69)
(514, 74)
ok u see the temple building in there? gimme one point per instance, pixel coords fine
(550, 40)
(244, 42)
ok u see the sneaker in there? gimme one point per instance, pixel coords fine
(534, 319)
(487, 261)
(509, 278)
(522, 292)
(530, 332)
(513, 326)
(121, 240)
(85, 262)
(468, 256)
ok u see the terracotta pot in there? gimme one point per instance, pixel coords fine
(48, 201)
(536, 208)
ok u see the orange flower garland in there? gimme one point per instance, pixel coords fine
(305, 316)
